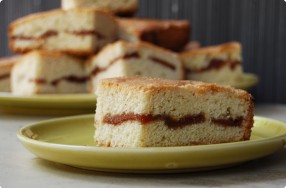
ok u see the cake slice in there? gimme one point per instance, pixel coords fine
(170, 34)
(44, 72)
(76, 31)
(129, 59)
(123, 8)
(150, 112)
(6, 64)
(217, 64)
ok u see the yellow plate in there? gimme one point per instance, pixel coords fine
(48, 104)
(70, 141)
(248, 80)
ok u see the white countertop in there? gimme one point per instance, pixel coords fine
(20, 168)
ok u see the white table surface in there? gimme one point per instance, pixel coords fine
(19, 168)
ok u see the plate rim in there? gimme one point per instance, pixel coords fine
(55, 97)
(61, 101)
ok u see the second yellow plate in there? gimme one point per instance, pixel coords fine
(61, 104)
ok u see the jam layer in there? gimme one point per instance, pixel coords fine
(134, 55)
(145, 119)
(71, 78)
(215, 64)
(4, 76)
(97, 70)
(52, 33)
(87, 32)
(45, 35)
(164, 63)
(237, 122)
(169, 121)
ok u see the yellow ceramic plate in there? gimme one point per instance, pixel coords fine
(48, 104)
(70, 141)
(248, 80)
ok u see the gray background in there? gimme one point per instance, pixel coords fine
(260, 25)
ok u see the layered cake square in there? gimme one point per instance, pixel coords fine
(123, 8)
(169, 34)
(76, 31)
(152, 112)
(130, 59)
(216, 64)
(45, 72)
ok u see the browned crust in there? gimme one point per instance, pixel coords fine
(184, 71)
(222, 48)
(192, 45)
(42, 15)
(31, 17)
(46, 53)
(142, 44)
(170, 34)
(8, 62)
(121, 12)
(6, 65)
(141, 25)
(147, 84)
(126, 11)
(249, 121)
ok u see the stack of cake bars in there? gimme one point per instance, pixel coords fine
(69, 50)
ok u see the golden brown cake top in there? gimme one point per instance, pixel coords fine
(142, 44)
(156, 84)
(8, 62)
(118, 7)
(42, 15)
(141, 25)
(47, 54)
(222, 48)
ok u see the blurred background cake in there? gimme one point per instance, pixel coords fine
(131, 59)
(216, 64)
(46, 72)
(76, 31)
